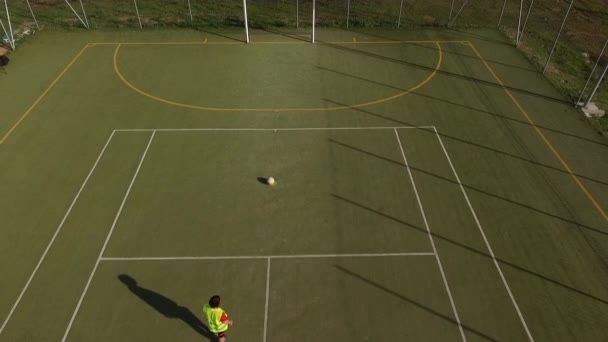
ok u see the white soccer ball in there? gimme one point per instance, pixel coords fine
(271, 181)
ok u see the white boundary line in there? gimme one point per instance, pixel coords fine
(483, 235)
(267, 298)
(105, 244)
(50, 244)
(445, 280)
(254, 257)
(270, 129)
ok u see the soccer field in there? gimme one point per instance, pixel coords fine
(431, 186)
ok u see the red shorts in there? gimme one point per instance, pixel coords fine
(221, 334)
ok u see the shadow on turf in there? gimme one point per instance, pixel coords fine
(165, 306)
(427, 68)
(413, 302)
(471, 249)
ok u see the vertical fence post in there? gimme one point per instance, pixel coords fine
(597, 62)
(246, 23)
(297, 13)
(451, 10)
(32, 12)
(76, 13)
(502, 12)
(400, 9)
(557, 38)
(137, 11)
(313, 21)
(190, 11)
(597, 85)
(9, 34)
(521, 8)
(347, 13)
(450, 24)
(523, 29)
(84, 14)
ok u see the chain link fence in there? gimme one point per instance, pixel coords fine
(533, 25)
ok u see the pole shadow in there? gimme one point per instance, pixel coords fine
(166, 306)
(410, 301)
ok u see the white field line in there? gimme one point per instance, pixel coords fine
(485, 239)
(105, 244)
(443, 276)
(270, 129)
(50, 244)
(255, 257)
(267, 298)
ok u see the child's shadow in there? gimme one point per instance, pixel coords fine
(166, 306)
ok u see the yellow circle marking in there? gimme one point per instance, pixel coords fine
(220, 109)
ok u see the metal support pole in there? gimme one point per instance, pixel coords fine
(6, 33)
(9, 34)
(521, 9)
(32, 12)
(313, 20)
(297, 13)
(523, 29)
(450, 24)
(557, 38)
(137, 11)
(347, 13)
(190, 11)
(597, 85)
(246, 23)
(504, 5)
(76, 13)
(451, 10)
(84, 14)
(400, 9)
(597, 62)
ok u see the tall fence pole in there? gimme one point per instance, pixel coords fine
(597, 85)
(246, 23)
(84, 14)
(297, 13)
(557, 38)
(597, 62)
(523, 29)
(190, 11)
(400, 9)
(137, 11)
(451, 10)
(347, 13)
(9, 34)
(76, 13)
(502, 12)
(521, 8)
(450, 24)
(32, 12)
(313, 21)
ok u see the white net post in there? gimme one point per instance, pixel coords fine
(502, 12)
(347, 14)
(190, 11)
(557, 38)
(137, 11)
(523, 28)
(313, 21)
(400, 9)
(9, 34)
(32, 13)
(84, 14)
(597, 62)
(246, 23)
(76, 13)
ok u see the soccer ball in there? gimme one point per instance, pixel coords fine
(271, 181)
